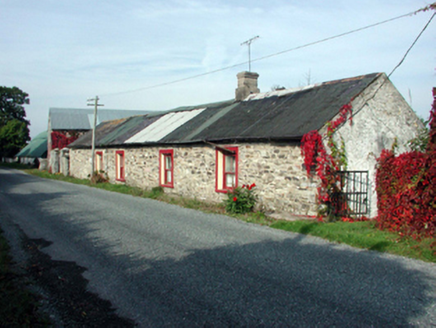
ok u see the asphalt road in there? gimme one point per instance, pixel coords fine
(162, 265)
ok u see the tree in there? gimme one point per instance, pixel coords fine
(13, 137)
(14, 128)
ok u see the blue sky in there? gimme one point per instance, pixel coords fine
(63, 52)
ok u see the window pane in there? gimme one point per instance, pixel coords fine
(168, 162)
(230, 180)
(168, 180)
(230, 164)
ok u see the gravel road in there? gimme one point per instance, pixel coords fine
(161, 265)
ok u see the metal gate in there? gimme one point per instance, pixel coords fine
(353, 196)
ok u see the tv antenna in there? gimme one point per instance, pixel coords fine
(248, 43)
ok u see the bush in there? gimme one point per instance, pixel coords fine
(406, 188)
(99, 177)
(241, 200)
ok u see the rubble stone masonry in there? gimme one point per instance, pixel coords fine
(282, 183)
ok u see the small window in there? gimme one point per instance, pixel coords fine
(120, 173)
(166, 168)
(226, 169)
(98, 161)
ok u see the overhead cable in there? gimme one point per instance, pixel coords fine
(286, 51)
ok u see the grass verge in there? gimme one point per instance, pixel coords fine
(364, 235)
(357, 234)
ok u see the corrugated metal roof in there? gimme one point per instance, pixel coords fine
(164, 126)
(282, 115)
(274, 117)
(83, 119)
(278, 93)
(37, 147)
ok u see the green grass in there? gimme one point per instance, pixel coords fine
(358, 234)
(17, 166)
(364, 235)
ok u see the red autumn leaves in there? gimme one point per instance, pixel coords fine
(406, 188)
(315, 155)
(60, 141)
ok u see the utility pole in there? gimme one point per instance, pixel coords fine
(248, 43)
(95, 104)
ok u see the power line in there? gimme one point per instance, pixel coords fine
(281, 52)
(398, 65)
(413, 44)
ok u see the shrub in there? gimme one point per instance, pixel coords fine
(99, 177)
(241, 199)
(406, 188)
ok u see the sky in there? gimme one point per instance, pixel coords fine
(128, 52)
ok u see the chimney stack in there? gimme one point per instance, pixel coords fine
(247, 84)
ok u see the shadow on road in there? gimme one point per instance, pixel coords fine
(293, 282)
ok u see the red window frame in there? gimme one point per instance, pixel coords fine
(222, 172)
(164, 170)
(120, 172)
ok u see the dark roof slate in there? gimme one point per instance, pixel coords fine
(283, 115)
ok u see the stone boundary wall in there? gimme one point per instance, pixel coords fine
(282, 184)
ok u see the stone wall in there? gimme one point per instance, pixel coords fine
(282, 184)
(64, 161)
(54, 161)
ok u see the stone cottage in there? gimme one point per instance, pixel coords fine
(204, 151)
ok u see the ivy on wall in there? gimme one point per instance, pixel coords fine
(60, 140)
(326, 163)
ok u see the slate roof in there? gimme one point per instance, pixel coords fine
(37, 147)
(279, 115)
(83, 119)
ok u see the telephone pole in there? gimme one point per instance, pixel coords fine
(248, 43)
(95, 104)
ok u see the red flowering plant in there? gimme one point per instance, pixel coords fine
(241, 199)
(326, 164)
